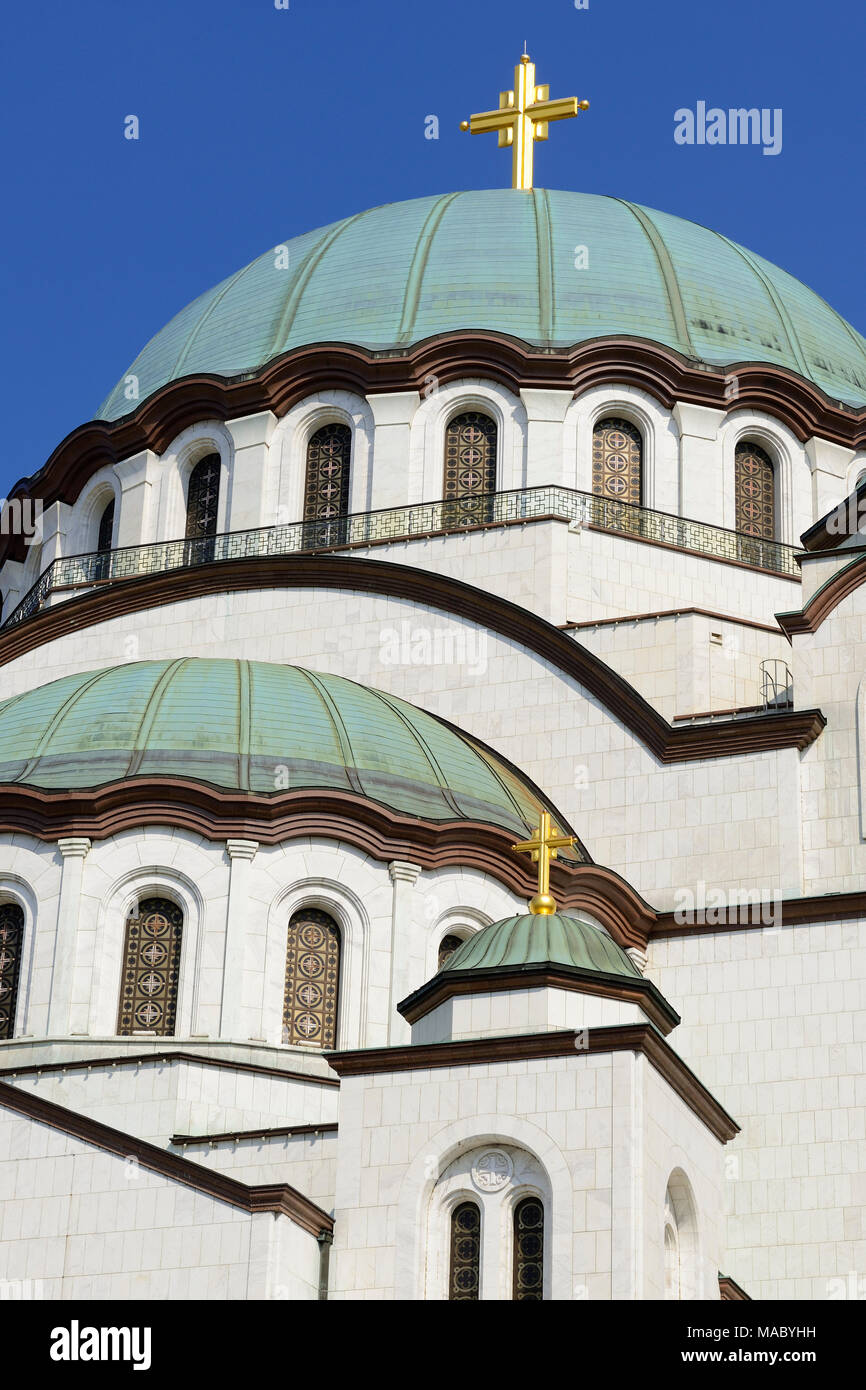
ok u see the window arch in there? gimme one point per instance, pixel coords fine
(326, 489)
(202, 499)
(529, 1250)
(681, 1249)
(755, 491)
(312, 979)
(470, 468)
(104, 538)
(617, 460)
(447, 946)
(11, 945)
(464, 1266)
(151, 968)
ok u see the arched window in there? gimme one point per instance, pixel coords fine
(11, 943)
(151, 964)
(312, 979)
(447, 946)
(326, 493)
(104, 537)
(681, 1263)
(470, 468)
(529, 1249)
(464, 1270)
(755, 491)
(202, 499)
(617, 461)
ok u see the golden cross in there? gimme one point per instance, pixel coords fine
(523, 117)
(542, 849)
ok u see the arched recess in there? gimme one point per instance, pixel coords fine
(324, 895)
(469, 472)
(792, 481)
(659, 439)
(187, 451)
(440, 1168)
(427, 440)
(617, 460)
(312, 984)
(120, 904)
(327, 484)
(284, 501)
(680, 1235)
(18, 939)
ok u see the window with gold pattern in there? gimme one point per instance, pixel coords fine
(470, 469)
(326, 493)
(312, 979)
(464, 1270)
(529, 1250)
(151, 965)
(11, 944)
(202, 498)
(755, 491)
(617, 461)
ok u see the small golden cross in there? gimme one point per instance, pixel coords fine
(523, 117)
(542, 848)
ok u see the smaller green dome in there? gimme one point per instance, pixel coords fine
(537, 940)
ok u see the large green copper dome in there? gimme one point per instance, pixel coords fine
(505, 261)
(258, 727)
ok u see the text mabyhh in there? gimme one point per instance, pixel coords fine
(737, 126)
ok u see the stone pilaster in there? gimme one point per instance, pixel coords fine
(241, 854)
(74, 850)
(404, 876)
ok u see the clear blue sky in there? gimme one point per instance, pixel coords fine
(258, 124)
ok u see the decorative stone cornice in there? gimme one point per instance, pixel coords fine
(402, 871)
(242, 849)
(74, 846)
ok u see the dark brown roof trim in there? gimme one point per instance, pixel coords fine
(140, 1058)
(760, 733)
(234, 1136)
(824, 600)
(672, 613)
(279, 1198)
(543, 975)
(347, 817)
(787, 912)
(730, 1291)
(820, 536)
(282, 382)
(633, 1037)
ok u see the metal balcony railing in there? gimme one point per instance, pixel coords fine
(76, 572)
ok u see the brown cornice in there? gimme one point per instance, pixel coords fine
(740, 737)
(282, 382)
(279, 1198)
(671, 613)
(824, 600)
(641, 1038)
(787, 912)
(139, 1058)
(234, 1136)
(541, 975)
(373, 828)
(730, 1291)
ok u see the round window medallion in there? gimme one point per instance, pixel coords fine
(492, 1171)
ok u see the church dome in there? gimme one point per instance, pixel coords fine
(505, 261)
(553, 939)
(258, 727)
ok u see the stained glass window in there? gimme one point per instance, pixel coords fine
(326, 496)
(755, 492)
(470, 468)
(464, 1274)
(529, 1249)
(203, 495)
(151, 961)
(617, 459)
(11, 942)
(447, 946)
(312, 979)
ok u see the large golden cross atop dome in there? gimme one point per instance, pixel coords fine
(523, 117)
(541, 849)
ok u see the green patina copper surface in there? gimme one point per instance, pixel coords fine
(504, 260)
(535, 940)
(258, 727)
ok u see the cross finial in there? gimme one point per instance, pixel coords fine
(542, 848)
(523, 117)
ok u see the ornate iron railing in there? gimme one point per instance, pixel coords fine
(76, 572)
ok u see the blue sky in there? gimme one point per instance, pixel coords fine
(257, 124)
